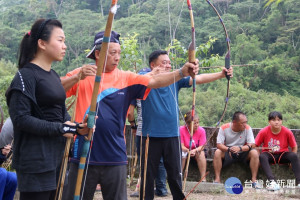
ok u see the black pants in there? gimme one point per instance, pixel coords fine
(266, 158)
(111, 178)
(170, 150)
(47, 195)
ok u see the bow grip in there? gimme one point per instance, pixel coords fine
(227, 64)
(192, 56)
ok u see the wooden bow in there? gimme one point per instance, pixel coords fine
(227, 66)
(192, 59)
(92, 111)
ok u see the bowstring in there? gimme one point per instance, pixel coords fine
(172, 38)
(181, 115)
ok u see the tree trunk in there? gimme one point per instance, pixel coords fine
(101, 8)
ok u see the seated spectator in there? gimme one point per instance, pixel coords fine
(7, 133)
(199, 139)
(234, 143)
(8, 180)
(276, 139)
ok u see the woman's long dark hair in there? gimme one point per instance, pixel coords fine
(41, 29)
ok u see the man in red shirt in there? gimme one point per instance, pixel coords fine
(276, 139)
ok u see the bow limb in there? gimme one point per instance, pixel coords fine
(192, 59)
(92, 111)
(227, 56)
(192, 46)
(227, 63)
(227, 66)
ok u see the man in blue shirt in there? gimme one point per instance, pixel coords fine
(161, 123)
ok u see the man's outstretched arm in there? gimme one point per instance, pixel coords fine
(207, 78)
(165, 79)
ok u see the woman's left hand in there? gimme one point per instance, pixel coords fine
(6, 149)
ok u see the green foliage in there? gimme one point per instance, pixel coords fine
(79, 37)
(274, 74)
(7, 68)
(247, 49)
(130, 55)
(8, 38)
(7, 72)
(257, 105)
(179, 54)
(268, 2)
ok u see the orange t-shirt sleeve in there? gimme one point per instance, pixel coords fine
(71, 91)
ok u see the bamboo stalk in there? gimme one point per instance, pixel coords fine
(63, 169)
(132, 160)
(133, 168)
(145, 165)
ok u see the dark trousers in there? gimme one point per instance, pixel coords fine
(160, 181)
(266, 158)
(161, 178)
(170, 150)
(111, 178)
(47, 195)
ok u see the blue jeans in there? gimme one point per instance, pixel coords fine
(160, 181)
(8, 184)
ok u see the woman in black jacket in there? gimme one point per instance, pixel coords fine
(36, 101)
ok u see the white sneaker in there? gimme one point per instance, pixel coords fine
(257, 185)
(273, 186)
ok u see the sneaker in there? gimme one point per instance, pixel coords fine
(257, 185)
(161, 194)
(216, 182)
(135, 194)
(273, 186)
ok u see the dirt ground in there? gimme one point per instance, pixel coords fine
(246, 194)
(250, 194)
